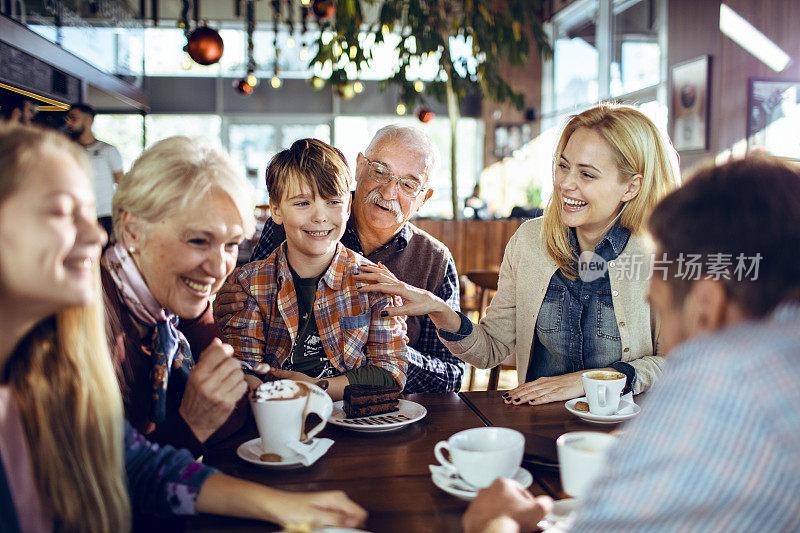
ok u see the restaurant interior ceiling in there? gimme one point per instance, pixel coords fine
(108, 90)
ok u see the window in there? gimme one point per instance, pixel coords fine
(605, 49)
(636, 53)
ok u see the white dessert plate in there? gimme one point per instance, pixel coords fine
(453, 485)
(251, 452)
(408, 412)
(630, 410)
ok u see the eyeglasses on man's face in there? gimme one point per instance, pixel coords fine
(408, 186)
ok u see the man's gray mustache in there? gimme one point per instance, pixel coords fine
(375, 197)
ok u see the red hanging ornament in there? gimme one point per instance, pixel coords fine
(242, 87)
(204, 46)
(425, 115)
(323, 9)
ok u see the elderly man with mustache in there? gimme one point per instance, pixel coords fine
(392, 178)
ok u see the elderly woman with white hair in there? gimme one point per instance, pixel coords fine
(179, 215)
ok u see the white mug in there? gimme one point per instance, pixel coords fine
(602, 393)
(581, 457)
(481, 455)
(280, 421)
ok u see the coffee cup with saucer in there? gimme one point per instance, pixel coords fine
(281, 409)
(454, 485)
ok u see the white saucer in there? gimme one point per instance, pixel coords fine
(408, 412)
(455, 486)
(603, 419)
(561, 511)
(251, 452)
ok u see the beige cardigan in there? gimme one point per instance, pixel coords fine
(525, 274)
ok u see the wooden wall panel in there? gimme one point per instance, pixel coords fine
(475, 244)
(693, 29)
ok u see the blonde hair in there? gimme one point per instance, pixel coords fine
(176, 174)
(638, 147)
(312, 162)
(64, 385)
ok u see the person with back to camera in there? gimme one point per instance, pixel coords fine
(611, 166)
(68, 460)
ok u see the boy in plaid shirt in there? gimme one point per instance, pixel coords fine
(304, 315)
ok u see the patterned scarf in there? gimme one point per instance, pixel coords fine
(172, 357)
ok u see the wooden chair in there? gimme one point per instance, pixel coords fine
(486, 281)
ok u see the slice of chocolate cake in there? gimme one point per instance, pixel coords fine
(367, 400)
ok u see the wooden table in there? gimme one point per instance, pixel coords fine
(541, 424)
(386, 473)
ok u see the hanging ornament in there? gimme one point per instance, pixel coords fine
(425, 115)
(401, 108)
(317, 83)
(323, 9)
(345, 91)
(204, 46)
(242, 87)
(251, 78)
(276, 16)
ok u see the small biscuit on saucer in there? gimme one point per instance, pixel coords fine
(582, 406)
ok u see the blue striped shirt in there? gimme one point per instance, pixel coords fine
(717, 445)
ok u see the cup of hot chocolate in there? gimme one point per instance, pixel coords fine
(603, 389)
(281, 409)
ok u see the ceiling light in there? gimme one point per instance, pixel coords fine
(748, 37)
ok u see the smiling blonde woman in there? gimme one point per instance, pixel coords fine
(611, 166)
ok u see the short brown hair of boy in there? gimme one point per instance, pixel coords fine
(746, 207)
(312, 162)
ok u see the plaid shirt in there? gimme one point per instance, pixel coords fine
(431, 366)
(715, 448)
(352, 332)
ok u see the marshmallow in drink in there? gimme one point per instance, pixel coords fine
(282, 389)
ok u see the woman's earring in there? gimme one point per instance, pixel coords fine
(131, 250)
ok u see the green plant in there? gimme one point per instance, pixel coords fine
(498, 31)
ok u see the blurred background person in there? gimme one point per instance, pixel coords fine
(106, 159)
(18, 109)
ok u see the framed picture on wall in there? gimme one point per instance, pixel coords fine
(773, 112)
(689, 101)
(510, 137)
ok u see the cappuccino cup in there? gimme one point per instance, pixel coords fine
(281, 409)
(581, 457)
(603, 389)
(481, 455)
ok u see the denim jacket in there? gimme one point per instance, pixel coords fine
(576, 328)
